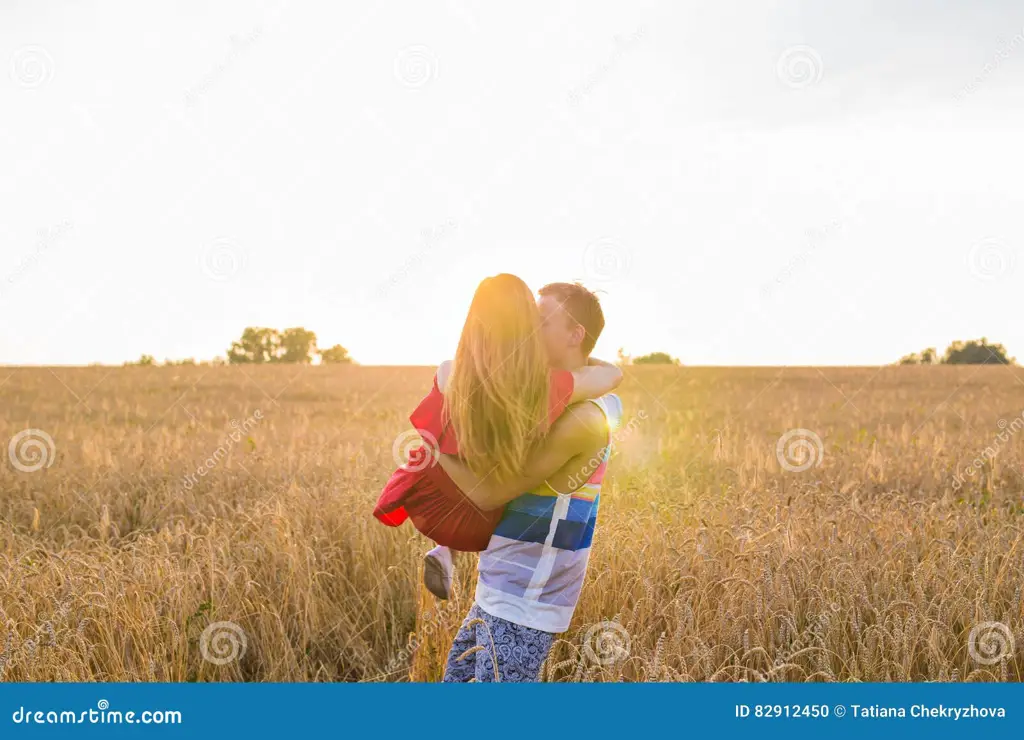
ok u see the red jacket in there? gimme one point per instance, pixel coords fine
(421, 491)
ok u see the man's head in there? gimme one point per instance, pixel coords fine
(571, 322)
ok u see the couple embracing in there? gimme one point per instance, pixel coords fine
(516, 438)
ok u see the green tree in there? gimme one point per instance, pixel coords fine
(656, 358)
(336, 355)
(976, 352)
(296, 345)
(926, 357)
(258, 345)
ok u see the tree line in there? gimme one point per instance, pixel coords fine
(973, 352)
(654, 358)
(297, 345)
(260, 345)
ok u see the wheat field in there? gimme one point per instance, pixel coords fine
(214, 524)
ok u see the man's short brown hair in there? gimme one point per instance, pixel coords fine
(584, 308)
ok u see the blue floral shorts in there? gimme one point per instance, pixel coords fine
(521, 651)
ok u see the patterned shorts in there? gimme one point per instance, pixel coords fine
(520, 650)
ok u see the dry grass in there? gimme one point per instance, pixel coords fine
(715, 561)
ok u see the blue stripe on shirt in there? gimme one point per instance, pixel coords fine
(530, 504)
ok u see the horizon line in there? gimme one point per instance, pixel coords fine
(208, 364)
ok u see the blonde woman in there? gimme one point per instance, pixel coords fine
(491, 408)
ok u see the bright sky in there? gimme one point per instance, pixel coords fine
(747, 183)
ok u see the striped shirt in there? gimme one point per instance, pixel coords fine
(533, 568)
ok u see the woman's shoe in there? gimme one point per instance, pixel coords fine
(437, 572)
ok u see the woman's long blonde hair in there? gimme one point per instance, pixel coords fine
(497, 394)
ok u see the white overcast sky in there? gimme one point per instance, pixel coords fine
(746, 182)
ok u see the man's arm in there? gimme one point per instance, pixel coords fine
(579, 430)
